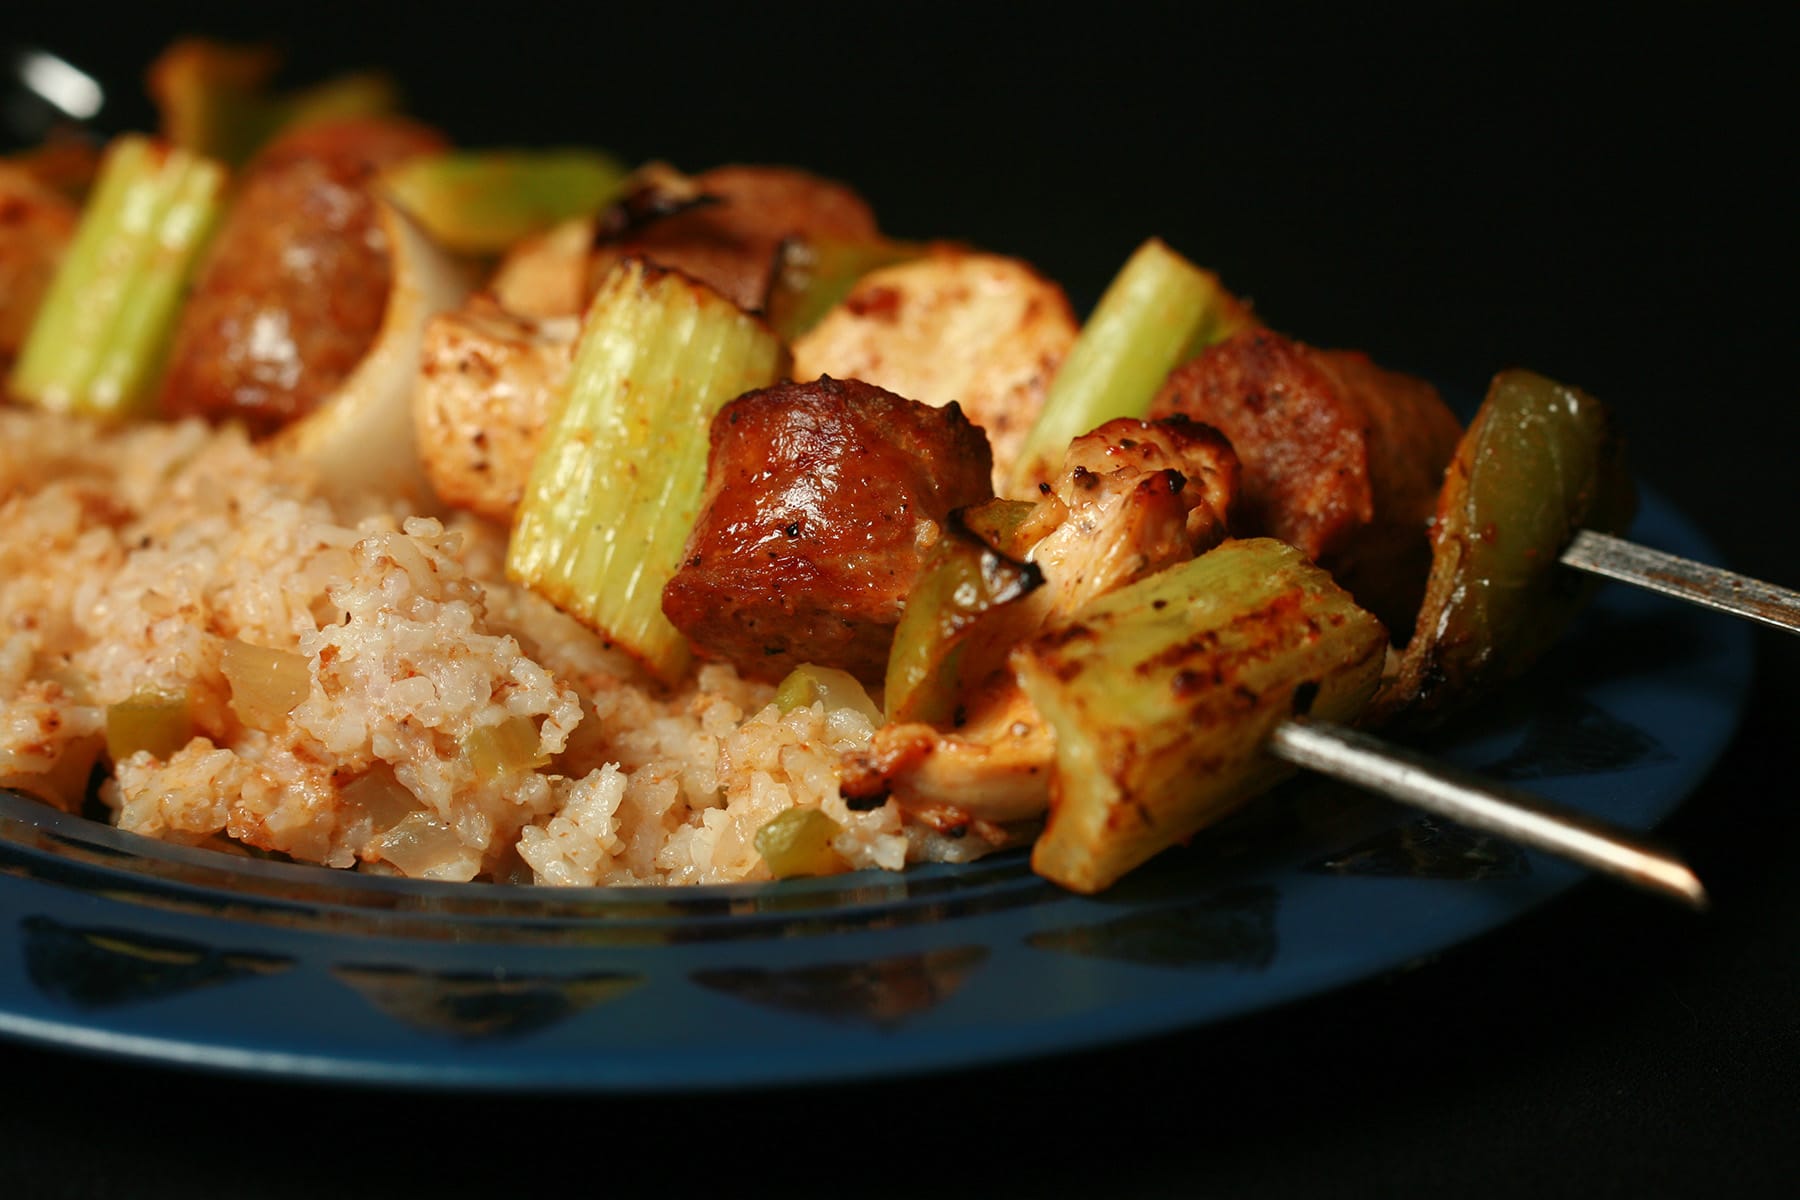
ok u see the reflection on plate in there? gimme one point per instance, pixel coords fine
(126, 947)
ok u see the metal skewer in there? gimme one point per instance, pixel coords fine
(1367, 762)
(1695, 582)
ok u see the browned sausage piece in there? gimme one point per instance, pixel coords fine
(730, 243)
(295, 284)
(1341, 458)
(36, 224)
(820, 498)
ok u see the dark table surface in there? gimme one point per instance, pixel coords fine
(1455, 194)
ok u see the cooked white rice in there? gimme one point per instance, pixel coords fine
(130, 560)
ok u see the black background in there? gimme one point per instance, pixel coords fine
(1455, 191)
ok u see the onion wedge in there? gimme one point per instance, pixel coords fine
(362, 437)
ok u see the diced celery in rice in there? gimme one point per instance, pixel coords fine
(798, 842)
(412, 638)
(156, 722)
(809, 684)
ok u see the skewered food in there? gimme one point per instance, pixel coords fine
(821, 500)
(984, 330)
(1341, 458)
(296, 282)
(508, 519)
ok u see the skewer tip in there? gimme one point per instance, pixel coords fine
(1682, 884)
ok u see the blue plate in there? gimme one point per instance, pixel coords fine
(122, 946)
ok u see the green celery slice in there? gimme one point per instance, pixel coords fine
(481, 202)
(99, 342)
(1159, 311)
(617, 485)
(798, 842)
(1161, 696)
(809, 684)
(159, 722)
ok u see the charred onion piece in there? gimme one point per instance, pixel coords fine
(1540, 462)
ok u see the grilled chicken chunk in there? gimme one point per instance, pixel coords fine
(487, 386)
(994, 767)
(36, 224)
(730, 242)
(1341, 458)
(294, 287)
(985, 331)
(1124, 451)
(546, 274)
(1134, 497)
(819, 499)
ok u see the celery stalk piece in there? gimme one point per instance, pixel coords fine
(1161, 696)
(99, 342)
(1159, 311)
(616, 486)
(481, 202)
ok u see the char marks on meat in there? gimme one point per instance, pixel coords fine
(730, 243)
(1341, 458)
(820, 498)
(293, 290)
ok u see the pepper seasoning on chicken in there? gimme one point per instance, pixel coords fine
(820, 498)
(1341, 458)
(1133, 498)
